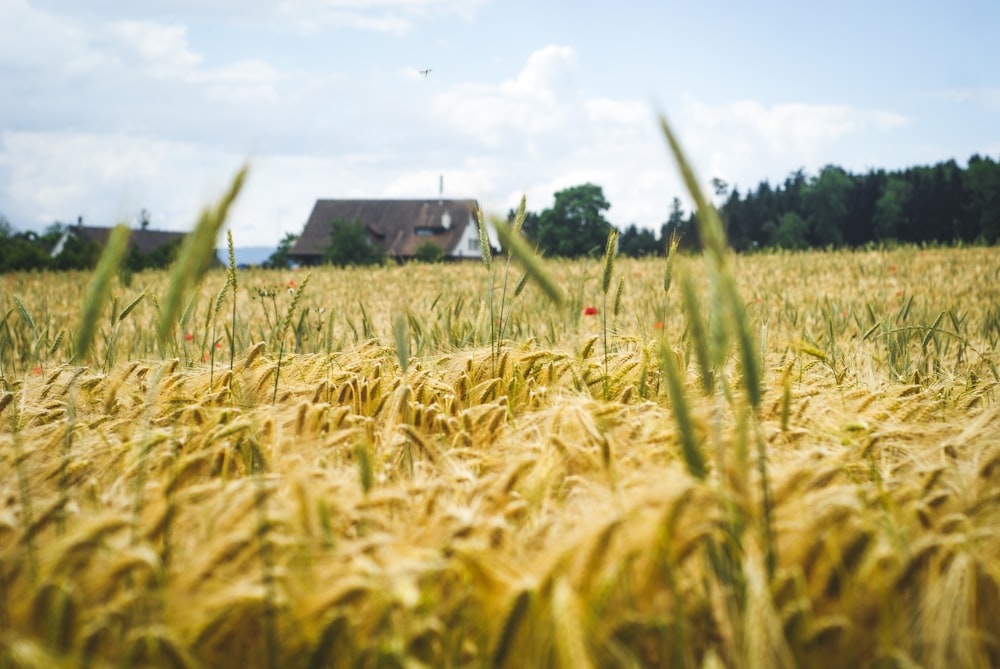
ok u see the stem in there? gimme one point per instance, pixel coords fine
(277, 372)
(604, 317)
(494, 347)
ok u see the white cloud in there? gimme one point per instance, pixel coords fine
(745, 140)
(106, 177)
(539, 100)
(787, 129)
(157, 43)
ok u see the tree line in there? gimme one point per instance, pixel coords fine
(943, 204)
(56, 248)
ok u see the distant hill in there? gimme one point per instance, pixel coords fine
(246, 255)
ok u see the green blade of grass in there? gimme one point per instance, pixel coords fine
(100, 286)
(516, 245)
(195, 256)
(694, 460)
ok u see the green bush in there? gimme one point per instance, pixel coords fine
(349, 245)
(428, 251)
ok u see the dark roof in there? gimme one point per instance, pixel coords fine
(399, 226)
(144, 241)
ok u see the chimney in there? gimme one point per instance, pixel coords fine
(441, 189)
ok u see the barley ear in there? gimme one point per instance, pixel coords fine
(484, 241)
(667, 270)
(521, 214)
(100, 286)
(610, 250)
(231, 274)
(618, 296)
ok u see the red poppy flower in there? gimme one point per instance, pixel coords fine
(218, 344)
(590, 311)
(37, 370)
(291, 284)
(658, 325)
(892, 268)
(188, 337)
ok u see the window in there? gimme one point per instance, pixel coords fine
(473, 244)
(424, 232)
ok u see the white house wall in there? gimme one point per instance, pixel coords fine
(468, 245)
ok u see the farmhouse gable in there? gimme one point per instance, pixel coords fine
(398, 226)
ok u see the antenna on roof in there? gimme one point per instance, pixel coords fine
(441, 189)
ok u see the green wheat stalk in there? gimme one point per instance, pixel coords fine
(519, 218)
(99, 288)
(694, 460)
(195, 257)
(231, 277)
(110, 355)
(283, 328)
(486, 255)
(515, 244)
(714, 241)
(610, 250)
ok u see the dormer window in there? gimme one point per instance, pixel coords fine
(445, 220)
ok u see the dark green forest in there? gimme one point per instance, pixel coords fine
(941, 204)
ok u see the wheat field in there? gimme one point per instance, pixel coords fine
(388, 468)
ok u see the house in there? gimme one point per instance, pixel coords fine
(144, 241)
(148, 249)
(398, 226)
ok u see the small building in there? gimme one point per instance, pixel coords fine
(144, 241)
(81, 246)
(399, 227)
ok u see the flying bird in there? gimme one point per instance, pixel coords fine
(426, 72)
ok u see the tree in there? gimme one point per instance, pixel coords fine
(680, 225)
(575, 225)
(636, 243)
(826, 206)
(428, 251)
(791, 232)
(349, 245)
(77, 253)
(22, 251)
(159, 258)
(889, 218)
(982, 183)
(279, 259)
(721, 187)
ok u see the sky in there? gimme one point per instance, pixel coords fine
(111, 107)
